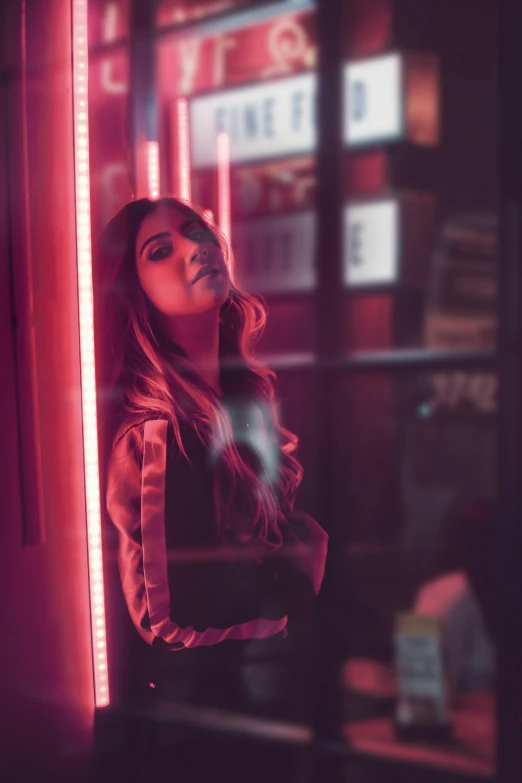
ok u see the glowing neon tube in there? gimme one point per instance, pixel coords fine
(88, 376)
(153, 169)
(223, 171)
(183, 149)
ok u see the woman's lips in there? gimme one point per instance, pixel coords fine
(205, 272)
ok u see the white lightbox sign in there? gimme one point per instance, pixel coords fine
(373, 100)
(262, 121)
(371, 242)
(276, 254)
(278, 118)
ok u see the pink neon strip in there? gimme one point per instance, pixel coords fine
(88, 376)
(223, 165)
(153, 169)
(183, 151)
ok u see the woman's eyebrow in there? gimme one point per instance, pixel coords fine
(163, 235)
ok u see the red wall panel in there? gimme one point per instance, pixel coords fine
(46, 686)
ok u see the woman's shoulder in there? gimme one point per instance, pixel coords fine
(131, 432)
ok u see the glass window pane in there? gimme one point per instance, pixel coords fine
(419, 637)
(419, 266)
(421, 246)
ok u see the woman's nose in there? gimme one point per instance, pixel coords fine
(199, 255)
(190, 250)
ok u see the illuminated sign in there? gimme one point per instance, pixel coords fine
(262, 121)
(214, 59)
(389, 97)
(373, 100)
(371, 243)
(277, 254)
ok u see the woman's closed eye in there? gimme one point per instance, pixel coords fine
(159, 253)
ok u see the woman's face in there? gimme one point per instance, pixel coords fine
(172, 251)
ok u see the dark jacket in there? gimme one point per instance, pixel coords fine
(182, 588)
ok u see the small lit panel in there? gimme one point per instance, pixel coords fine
(371, 241)
(88, 377)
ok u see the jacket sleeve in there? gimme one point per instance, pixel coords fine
(123, 502)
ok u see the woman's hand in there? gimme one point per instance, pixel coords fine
(306, 546)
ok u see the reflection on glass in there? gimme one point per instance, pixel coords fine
(461, 597)
(108, 21)
(255, 84)
(418, 146)
(460, 311)
(420, 642)
(111, 185)
(419, 269)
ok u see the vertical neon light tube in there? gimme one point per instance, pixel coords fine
(223, 171)
(88, 379)
(183, 151)
(153, 169)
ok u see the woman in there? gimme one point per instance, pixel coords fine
(217, 567)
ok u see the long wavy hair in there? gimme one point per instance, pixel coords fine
(142, 374)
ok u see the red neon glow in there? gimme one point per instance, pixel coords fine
(90, 439)
(223, 171)
(35, 532)
(183, 150)
(153, 169)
